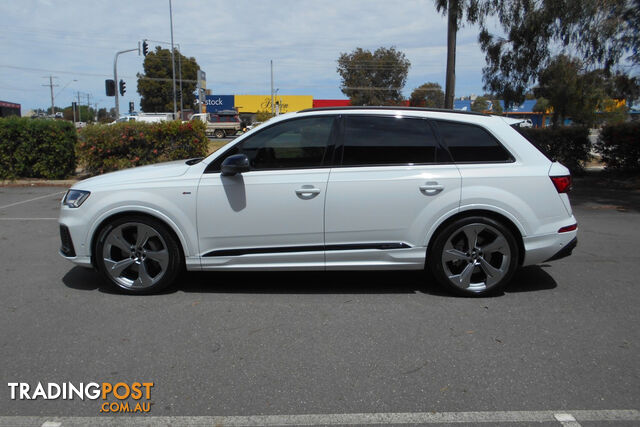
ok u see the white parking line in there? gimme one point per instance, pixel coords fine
(28, 219)
(340, 419)
(31, 200)
(567, 420)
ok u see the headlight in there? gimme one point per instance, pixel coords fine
(74, 198)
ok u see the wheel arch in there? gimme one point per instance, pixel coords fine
(504, 220)
(113, 216)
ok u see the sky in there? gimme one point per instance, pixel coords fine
(232, 41)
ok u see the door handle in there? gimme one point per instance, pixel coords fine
(431, 188)
(307, 192)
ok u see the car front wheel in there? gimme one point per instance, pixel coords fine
(137, 255)
(474, 256)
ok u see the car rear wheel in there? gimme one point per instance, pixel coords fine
(474, 256)
(137, 255)
(219, 133)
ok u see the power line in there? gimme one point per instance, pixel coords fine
(76, 73)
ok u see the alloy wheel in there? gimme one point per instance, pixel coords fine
(476, 257)
(135, 255)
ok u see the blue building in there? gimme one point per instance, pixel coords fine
(522, 111)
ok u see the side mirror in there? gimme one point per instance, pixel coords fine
(235, 164)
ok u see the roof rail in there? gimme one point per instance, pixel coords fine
(386, 107)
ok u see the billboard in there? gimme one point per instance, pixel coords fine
(287, 103)
(219, 102)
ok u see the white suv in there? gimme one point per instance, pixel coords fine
(462, 194)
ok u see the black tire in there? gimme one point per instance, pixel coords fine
(157, 262)
(219, 133)
(483, 269)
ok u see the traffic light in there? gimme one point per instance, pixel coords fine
(110, 87)
(130, 106)
(145, 47)
(123, 87)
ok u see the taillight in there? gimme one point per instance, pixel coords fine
(562, 183)
(571, 227)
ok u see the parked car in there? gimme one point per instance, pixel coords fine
(526, 123)
(462, 194)
(220, 124)
(145, 117)
(253, 125)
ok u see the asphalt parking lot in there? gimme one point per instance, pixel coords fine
(564, 338)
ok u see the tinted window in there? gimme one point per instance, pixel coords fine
(300, 143)
(375, 140)
(469, 143)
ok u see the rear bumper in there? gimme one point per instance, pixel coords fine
(565, 251)
(546, 247)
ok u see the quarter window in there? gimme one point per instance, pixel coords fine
(376, 140)
(470, 143)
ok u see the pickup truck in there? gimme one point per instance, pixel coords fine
(220, 124)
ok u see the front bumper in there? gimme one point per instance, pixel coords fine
(66, 243)
(68, 248)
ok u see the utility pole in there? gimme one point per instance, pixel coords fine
(51, 86)
(180, 74)
(79, 110)
(272, 100)
(88, 107)
(452, 29)
(173, 62)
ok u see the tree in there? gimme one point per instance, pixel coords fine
(599, 32)
(263, 116)
(83, 112)
(611, 111)
(622, 86)
(541, 106)
(496, 108)
(480, 104)
(456, 10)
(373, 78)
(571, 91)
(155, 86)
(105, 116)
(427, 95)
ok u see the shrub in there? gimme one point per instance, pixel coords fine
(619, 146)
(568, 145)
(36, 148)
(105, 148)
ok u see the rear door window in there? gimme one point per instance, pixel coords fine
(380, 140)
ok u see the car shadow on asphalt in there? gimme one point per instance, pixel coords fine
(527, 279)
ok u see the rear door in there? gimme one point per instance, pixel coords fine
(393, 181)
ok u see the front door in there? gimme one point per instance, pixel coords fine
(273, 215)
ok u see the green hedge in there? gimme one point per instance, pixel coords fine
(36, 148)
(568, 145)
(105, 148)
(619, 146)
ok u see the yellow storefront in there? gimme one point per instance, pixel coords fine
(286, 103)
